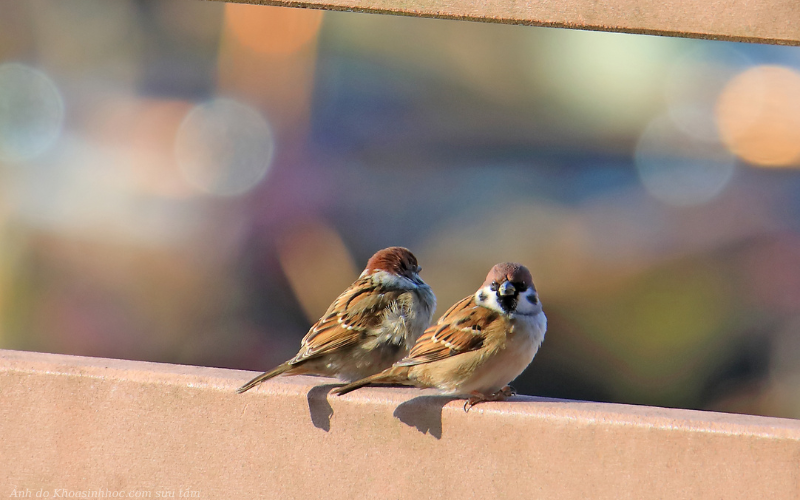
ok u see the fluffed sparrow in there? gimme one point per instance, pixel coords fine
(372, 324)
(479, 345)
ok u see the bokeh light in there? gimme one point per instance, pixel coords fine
(694, 84)
(317, 264)
(759, 116)
(224, 147)
(612, 80)
(31, 112)
(678, 168)
(272, 30)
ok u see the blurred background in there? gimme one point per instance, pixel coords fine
(195, 182)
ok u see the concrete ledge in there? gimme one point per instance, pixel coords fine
(762, 21)
(77, 425)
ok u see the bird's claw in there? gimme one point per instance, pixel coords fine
(501, 395)
(470, 403)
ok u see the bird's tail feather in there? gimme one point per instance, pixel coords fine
(266, 376)
(394, 375)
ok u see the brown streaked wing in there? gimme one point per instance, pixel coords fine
(457, 332)
(348, 318)
(459, 307)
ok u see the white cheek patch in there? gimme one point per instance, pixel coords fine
(487, 298)
(525, 303)
(528, 303)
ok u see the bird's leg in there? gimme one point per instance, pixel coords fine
(501, 395)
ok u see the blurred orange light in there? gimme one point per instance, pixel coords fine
(272, 30)
(758, 115)
(317, 264)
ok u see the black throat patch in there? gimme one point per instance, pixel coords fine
(508, 302)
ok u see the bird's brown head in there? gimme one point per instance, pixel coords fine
(395, 260)
(511, 285)
(517, 274)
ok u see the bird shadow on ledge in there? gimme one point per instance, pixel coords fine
(318, 406)
(424, 413)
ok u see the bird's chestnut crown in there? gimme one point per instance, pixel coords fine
(517, 274)
(396, 260)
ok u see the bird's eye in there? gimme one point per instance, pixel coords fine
(521, 287)
(493, 286)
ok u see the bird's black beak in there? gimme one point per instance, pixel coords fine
(507, 289)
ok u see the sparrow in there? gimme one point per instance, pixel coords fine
(372, 324)
(479, 345)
